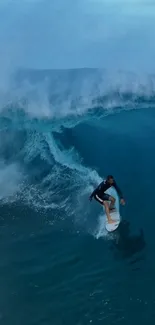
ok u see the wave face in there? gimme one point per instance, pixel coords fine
(45, 114)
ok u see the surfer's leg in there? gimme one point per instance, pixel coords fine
(104, 202)
(106, 205)
(112, 202)
(98, 199)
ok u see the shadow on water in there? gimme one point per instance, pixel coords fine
(128, 246)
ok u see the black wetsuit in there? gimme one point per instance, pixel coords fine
(100, 195)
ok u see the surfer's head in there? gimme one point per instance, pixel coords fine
(110, 179)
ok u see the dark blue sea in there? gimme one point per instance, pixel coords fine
(61, 133)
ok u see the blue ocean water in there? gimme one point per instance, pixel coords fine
(61, 133)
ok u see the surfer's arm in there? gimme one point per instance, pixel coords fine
(118, 190)
(92, 194)
(95, 191)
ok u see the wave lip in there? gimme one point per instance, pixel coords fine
(63, 94)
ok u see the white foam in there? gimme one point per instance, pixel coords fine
(10, 180)
(101, 230)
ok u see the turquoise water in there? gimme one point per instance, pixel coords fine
(53, 268)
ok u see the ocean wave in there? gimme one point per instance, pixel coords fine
(45, 172)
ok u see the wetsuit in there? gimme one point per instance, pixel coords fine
(100, 195)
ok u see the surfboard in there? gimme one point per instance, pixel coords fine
(116, 217)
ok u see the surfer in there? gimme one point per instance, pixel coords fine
(99, 195)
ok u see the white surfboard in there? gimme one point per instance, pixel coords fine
(116, 217)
